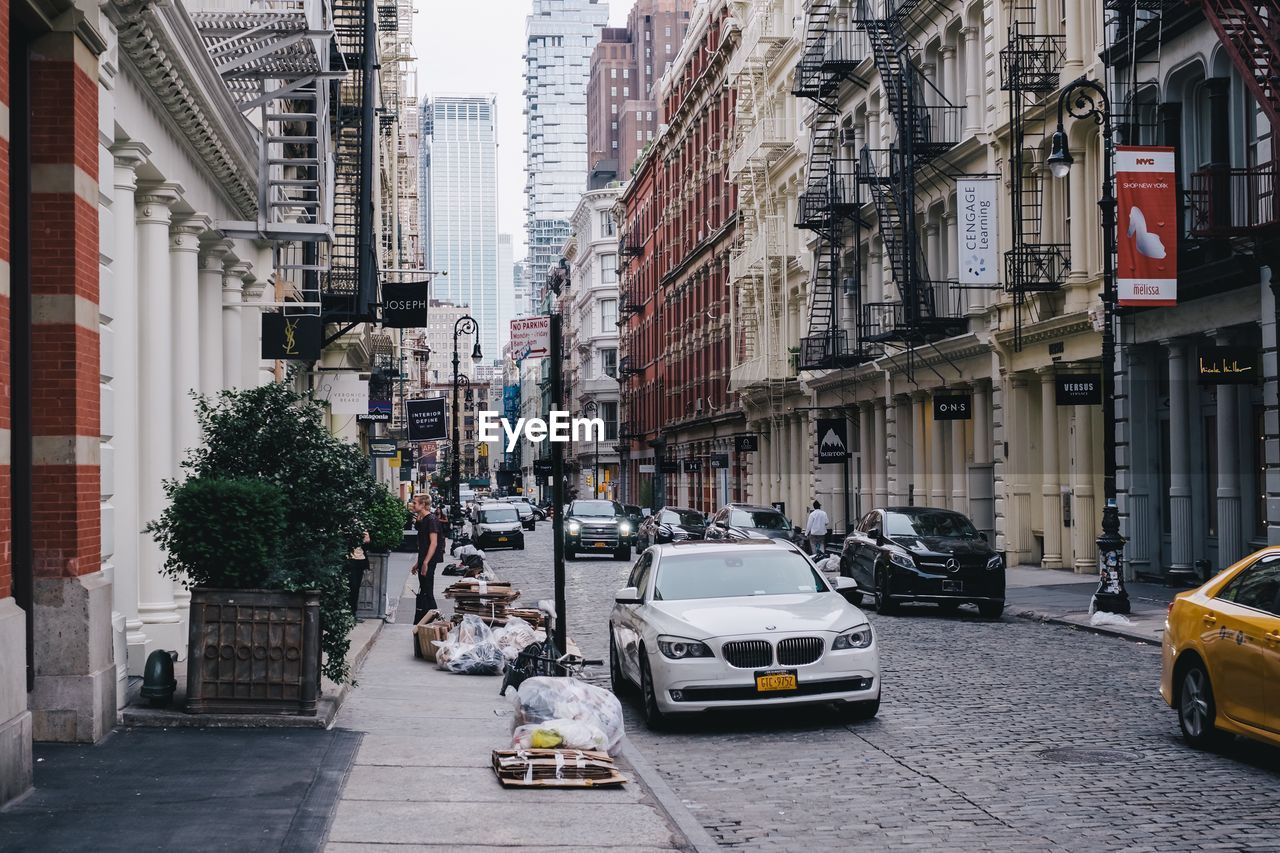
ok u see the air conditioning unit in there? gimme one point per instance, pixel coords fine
(697, 406)
(848, 136)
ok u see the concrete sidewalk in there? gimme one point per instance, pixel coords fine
(1064, 597)
(421, 779)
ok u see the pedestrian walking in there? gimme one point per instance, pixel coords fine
(357, 565)
(430, 554)
(815, 529)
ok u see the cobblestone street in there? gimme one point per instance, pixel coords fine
(992, 735)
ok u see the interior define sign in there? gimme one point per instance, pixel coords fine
(404, 306)
(1147, 254)
(426, 419)
(291, 337)
(952, 407)
(978, 247)
(1074, 389)
(1228, 365)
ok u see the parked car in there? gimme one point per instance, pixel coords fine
(634, 515)
(527, 518)
(747, 521)
(597, 526)
(706, 625)
(497, 525)
(913, 553)
(1221, 654)
(671, 524)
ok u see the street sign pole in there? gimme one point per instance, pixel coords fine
(557, 490)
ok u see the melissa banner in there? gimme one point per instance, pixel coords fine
(1147, 226)
(979, 248)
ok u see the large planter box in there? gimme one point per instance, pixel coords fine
(372, 603)
(253, 652)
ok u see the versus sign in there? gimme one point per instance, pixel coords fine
(1147, 254)
(1228, 365)
(746, 443)
(404, 306)
(952, 407)
(1078, 389)
(833, 440)
(978, 247)
(287, 337)
(426, 419)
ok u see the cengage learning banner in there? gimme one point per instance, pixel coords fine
(1147, 226)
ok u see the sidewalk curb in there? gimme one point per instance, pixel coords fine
(1036, 616)
(699, 840)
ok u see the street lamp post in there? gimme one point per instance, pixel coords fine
(465, 325)
(1086, 99)
(591, 408)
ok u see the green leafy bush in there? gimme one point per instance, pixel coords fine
(386, 520)
(277, 437)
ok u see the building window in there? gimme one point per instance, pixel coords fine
(639, 136)
(615, 145)
(668, 48)
(613, 108)
(666, 31)
(609, 267)
(613, 125)
(648, 70)
(626, 74)
(613, 73)
(626, 91)
(609, 414)
(609, 362)
(606, 223)
(608, 316)
(613, 91)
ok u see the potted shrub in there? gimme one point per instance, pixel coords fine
(386, 521)
(260, 530)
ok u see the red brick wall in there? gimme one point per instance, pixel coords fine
(66, 529)
(6, 535)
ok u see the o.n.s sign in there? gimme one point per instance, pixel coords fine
(1147, 226)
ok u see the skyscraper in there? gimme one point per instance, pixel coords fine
(506, 293)
(561, 35)
(460, 208)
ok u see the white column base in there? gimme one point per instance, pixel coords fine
(15, 719)
(74, 700)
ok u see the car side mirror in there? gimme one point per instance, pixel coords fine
(874, 535)
(628, 595)
(843, 584)
(985, 537)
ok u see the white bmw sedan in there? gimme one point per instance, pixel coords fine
(704, 625)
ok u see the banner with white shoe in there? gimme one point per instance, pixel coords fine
(1147, 250)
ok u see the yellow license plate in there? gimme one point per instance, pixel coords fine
(502, 539)
(602, 544)
(771, 681)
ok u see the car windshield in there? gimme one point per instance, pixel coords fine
(684, 517)
(762, 519)
(722, 574)
(942, 525)
(603, 509)
(497, 515)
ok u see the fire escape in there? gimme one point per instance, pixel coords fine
(928, 125)
(829, 204)
(1029, 73)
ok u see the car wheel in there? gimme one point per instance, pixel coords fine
(861, 710)
(1196, 708)
(653, 716)
(623, 553)
(990, 609)
(884, 605)
(617, 679)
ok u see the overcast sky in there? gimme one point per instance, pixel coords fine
(476, 48)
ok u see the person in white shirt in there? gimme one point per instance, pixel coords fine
(815, 528)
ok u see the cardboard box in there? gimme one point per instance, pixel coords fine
(432, 627)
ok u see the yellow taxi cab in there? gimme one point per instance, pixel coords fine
(1221, 654)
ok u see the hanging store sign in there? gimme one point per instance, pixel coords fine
(1147, 227)
(530, 337)
(719, 460)
(290, 337)
(404, 306)
(979, 249)
(374, 418)
(746, 443)
(833, 440)
(1228, 365)
(644, 468)
(670, 466)
(542, 467)
(383, 448)
(1078, 389)
(693, 466)
(346, 393)
(426, 419)
(952, 407)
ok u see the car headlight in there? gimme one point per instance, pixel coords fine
(995, 562)
(624, 528)
(678, 648)
(855, 638)
(574, 527)
(899, 559)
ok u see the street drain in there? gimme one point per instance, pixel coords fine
(1086, 755)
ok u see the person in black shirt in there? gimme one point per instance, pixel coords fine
(430, 554)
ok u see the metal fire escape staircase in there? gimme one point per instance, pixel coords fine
(1029, 67)
(829, 204)
(275, 59)
(925, 132)
(1250, 32)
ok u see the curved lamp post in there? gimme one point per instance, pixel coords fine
(465, 325)
(1086, 99)
(591, 408)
